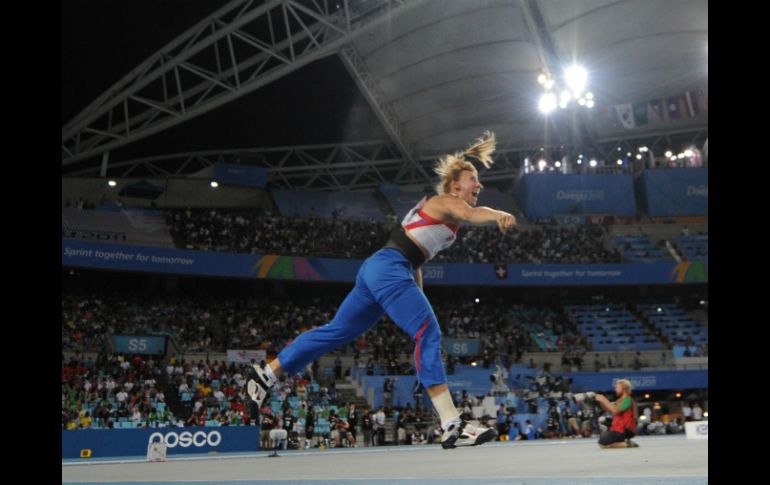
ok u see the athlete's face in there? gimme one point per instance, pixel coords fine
(468, 187)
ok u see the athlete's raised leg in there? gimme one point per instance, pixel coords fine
(357, 314)
(396, 291)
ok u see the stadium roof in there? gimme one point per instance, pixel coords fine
(409, 79)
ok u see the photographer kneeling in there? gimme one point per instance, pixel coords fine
(624, 417)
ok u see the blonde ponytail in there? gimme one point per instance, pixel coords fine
(449, 167)
(483, 149)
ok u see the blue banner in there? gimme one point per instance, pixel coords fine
(139, 344)
(461, 347)
(242, 175)
(122, 257)
(179, 441)
(640, 381)
(546, 195)
(675, 192)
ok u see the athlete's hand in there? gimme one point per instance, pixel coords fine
(506, 222)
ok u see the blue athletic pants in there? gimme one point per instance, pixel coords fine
(384, 284)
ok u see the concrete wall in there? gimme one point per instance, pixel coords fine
(179, 193)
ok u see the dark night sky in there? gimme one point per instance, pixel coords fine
(103, 40)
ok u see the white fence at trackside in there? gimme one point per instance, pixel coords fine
(691, 363)
(697, 430)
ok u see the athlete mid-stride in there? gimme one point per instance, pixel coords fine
(390, 281)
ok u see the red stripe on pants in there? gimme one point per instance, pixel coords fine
(417, 347)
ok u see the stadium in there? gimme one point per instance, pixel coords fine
(381, 241)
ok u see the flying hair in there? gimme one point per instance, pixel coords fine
(449, 167)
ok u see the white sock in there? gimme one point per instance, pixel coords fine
(446, 409)
(271, 378)
(446, 424)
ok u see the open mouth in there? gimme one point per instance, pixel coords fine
(475, 194)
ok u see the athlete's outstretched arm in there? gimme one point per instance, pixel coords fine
(459, 210)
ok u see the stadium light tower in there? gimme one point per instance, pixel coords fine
(547, 103)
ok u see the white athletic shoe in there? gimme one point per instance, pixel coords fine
(463, 433)
(257, 386)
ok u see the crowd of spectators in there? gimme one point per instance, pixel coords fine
(503, 333)
(213, 393)
(202, 323)
(211, 323)
(125, 390)
(198, 323)
(249, 232)
(88, 317)
(550, 244)
(112, 390)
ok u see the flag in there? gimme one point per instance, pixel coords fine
(701, 100)
(656, 107)
(640, 114)
(609, 112)
(626, 115)
(692, 108)
(673, 108)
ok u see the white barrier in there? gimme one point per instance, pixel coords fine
(697, 430)
(156, 451)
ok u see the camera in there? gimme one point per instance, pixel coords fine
(588, 397)
(545, 386)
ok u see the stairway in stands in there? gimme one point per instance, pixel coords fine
(346, 392)
(171, 393)
(649, 325)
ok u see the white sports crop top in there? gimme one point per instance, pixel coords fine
(432, 234)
